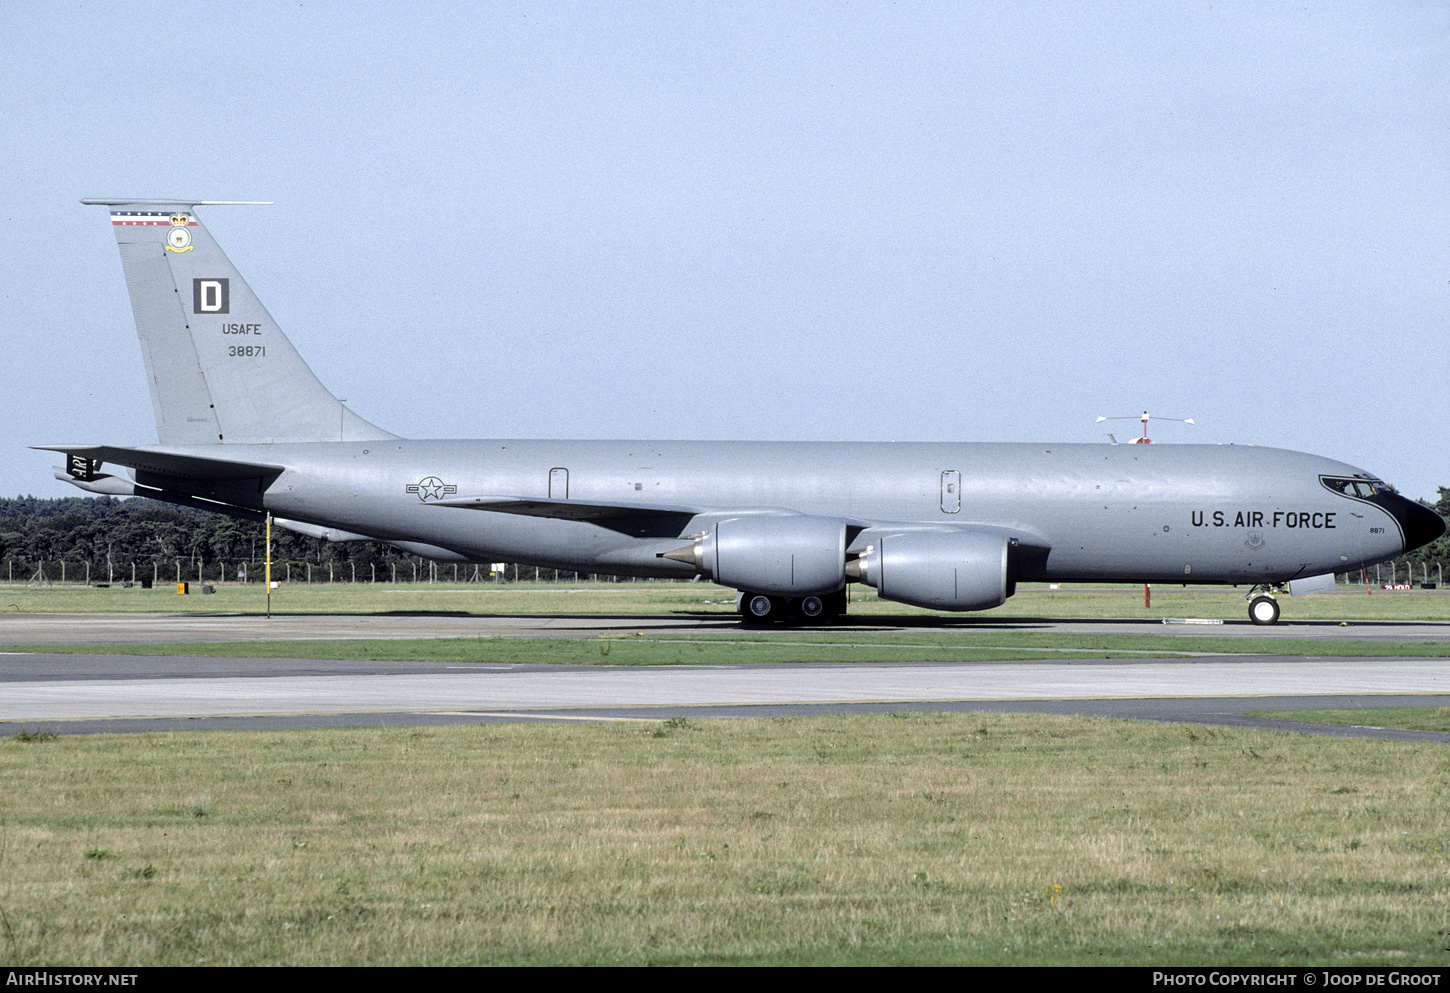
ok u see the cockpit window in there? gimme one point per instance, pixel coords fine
(1356, 487)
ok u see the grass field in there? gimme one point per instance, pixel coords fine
(693, 599)
(787, 646)
(873, 840)
(1405, 718)
(922, 839)
(970, 637)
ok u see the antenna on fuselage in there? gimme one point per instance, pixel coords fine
(1145, 418)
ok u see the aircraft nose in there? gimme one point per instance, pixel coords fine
(1420, 524)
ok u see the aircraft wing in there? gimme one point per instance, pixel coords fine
(83, 460)
(566, 510)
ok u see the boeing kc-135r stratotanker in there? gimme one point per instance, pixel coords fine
(245, 428)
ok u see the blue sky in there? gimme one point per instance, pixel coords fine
(974, 222)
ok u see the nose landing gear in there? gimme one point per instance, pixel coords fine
(1263, 607)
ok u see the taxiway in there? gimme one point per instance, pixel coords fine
(101, 692)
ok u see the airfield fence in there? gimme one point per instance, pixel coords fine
(156, 572)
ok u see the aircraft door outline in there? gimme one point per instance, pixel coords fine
(951, 491)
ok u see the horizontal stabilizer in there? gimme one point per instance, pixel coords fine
(165, 463)
(102, 483)
(183, 202)
(564, 510)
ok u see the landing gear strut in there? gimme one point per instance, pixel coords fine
(1263, 608)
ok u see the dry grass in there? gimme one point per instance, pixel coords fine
(921, 838)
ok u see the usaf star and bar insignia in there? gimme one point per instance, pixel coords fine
(431, 488)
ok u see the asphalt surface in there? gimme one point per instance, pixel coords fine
(111, 629)
(102, 693)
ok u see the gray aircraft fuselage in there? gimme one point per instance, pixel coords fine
(1142, 513)
(246, 428)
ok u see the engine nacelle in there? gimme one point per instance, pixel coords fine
(787, 555)
(942, 570)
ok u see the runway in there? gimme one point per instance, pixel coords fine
(96, 693)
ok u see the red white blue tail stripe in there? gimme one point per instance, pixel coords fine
(130, 218)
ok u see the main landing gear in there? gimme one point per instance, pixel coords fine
(1263, 608)
(757, 609)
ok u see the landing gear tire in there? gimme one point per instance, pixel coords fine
(757, 608)
(1264, 610)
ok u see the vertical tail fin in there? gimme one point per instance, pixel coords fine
(220, 369)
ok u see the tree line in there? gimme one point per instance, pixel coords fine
(105, 539)
(113, 540)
